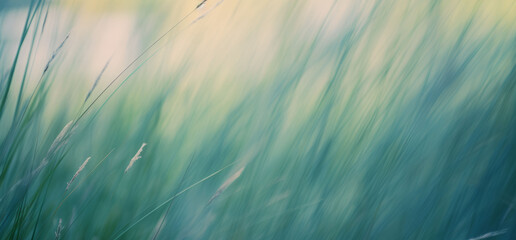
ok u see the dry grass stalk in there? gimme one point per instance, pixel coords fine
(226, 184)
(59, 228)
(96, 81)
(490, 234)
(56, 144)
(136, 157)
(77, 173)
(54, 54)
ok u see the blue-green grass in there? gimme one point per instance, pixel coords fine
(350, 119)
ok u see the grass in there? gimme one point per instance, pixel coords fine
(260, 120)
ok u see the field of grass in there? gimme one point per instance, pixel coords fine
(273, 119)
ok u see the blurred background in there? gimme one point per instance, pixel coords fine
(327, 119)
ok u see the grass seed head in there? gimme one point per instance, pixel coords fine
(77, 173)
(136, 157)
